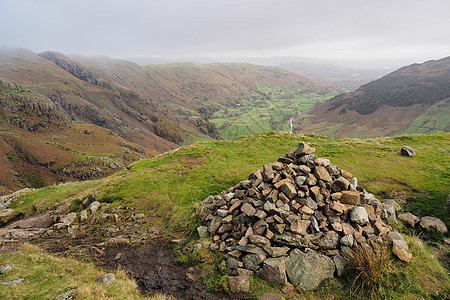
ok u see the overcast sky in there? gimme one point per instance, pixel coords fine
(335, 29)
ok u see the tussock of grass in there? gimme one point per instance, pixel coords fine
(369, 266)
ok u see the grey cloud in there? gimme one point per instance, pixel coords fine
(175, 28)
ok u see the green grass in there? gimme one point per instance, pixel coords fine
(423, 278)
(270, 112)
(46, 277)
(170, 186)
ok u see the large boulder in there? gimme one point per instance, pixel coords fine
(433, 224)
(308, 270)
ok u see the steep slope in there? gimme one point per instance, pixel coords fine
(84, 101)
(412, 99)
(40, 146)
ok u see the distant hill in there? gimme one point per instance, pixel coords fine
(39, 146)
(156, 106)
(345, 79)
(413, 99)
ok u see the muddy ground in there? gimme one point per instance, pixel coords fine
(153, 267)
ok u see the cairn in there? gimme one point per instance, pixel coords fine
(293, 220)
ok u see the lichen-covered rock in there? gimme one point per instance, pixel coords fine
(308, 270)
(409, 219)
(274, 270)
(433, 224)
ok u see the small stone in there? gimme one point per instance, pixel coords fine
(347, 240)
(260, 227)
(407, 151)
(409, 219)
(299, 226)
(289, 190)
(359, 215)
(433, 224)
(306, 210)
(267, 172)
(19, 280)
(239, 284)
(400, 249)
(107, 279)
(94, 206)
(248, 209)
(350, 197)
(340, 264)
(304, 149)
(274, 270)
(243, 272)
(83, 216)
(394, 235)
(202, 232)
(260, 214)
(342, 183)
(69, 295)
(5, 268)
(322, 173)
(234, 263)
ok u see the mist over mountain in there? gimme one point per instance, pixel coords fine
(412, 99)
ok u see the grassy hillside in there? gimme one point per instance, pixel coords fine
(162, 106)
(171, 185)
(413, 99)
(40, 147)
(169, 188)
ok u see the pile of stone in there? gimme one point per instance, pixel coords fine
(292, 221)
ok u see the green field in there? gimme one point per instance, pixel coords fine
(265, 112)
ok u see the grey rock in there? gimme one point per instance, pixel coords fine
(314, 224)
(409, 219)
(274, 270)
(234, 263)
(202, 232)
(329, 240)
(388, 213)
(347, 240)
(94, 206)
(5, 268)
(107, 279)
(69, 295)
(340, 264)
(252, 261)
(19, 280)
(308, 270)
(394, 235)
(359, 215)
(433, 224)
(407, 151)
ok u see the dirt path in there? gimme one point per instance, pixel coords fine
(153, 267)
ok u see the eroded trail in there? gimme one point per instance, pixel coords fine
(155, 270)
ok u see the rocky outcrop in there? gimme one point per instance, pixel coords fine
(290, 220)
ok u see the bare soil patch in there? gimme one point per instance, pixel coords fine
(155, 270)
